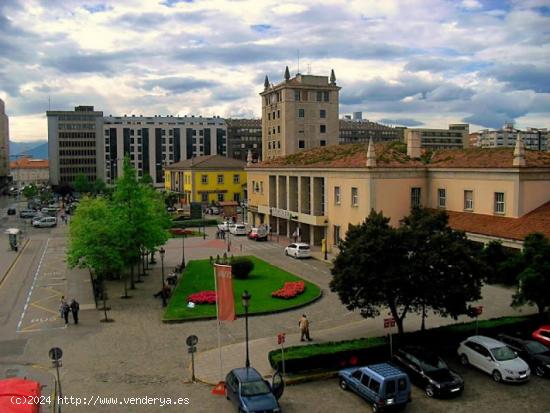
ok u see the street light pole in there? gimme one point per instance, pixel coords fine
(246, 301)
(183, 250)
(162, 252)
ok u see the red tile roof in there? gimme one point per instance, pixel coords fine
(394, 155)
(29, 163)
(537, 220)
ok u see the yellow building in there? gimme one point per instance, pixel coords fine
(489, 193)
(207, 179)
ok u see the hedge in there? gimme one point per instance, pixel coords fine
(194, 223)
(241, 267)
(445, 340)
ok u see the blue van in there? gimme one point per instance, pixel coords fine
(383, 385)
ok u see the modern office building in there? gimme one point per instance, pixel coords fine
(75, 144)
(29, 171)
(152, 143)
(361, 131)
(4, 146)
(533, 138)
(244, 135)
(455, 137)
(491, 194)
(299, 113)
(207, 179)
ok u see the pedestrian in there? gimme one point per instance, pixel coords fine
(303, 323)
(65, 309)
(62, 303)
(74, 309)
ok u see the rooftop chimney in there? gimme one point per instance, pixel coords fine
(519, 152)
(414, 143)
(371, 155)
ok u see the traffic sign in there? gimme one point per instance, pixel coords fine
(55, 353)
(280, 338)
(389, 322)
(192, 340)
(192, 349)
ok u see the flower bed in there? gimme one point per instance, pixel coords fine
(203, 297)
(290, 290)
(181, 231)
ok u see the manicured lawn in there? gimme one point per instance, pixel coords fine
(263, 280)
(189, 234)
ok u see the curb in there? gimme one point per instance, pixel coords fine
(19, 252)
(306, 378)
(314, 300)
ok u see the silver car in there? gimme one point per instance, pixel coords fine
(494, 358)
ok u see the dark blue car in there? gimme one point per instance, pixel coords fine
(250, 393)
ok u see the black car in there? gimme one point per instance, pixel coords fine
(428, 371)
(11, 211)
(536, 354)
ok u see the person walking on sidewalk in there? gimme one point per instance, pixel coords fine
(65, 311)
(75, 307)
(303, 323)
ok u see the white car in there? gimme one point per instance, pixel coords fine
(238, 229)
(44, 222)
(298, 250)
(494, 358)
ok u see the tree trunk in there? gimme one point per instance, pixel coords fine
(132, 285)
(126, 286)
(138, 271)
(423, 325)
(93, 287)
(398, 320)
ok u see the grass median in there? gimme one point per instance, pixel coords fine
(262, 281)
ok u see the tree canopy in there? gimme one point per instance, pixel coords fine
(421, 265)
(81, 184)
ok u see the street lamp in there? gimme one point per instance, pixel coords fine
(162, 252)
(246, 301)
(183, 250)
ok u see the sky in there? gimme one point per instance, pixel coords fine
(417, 63)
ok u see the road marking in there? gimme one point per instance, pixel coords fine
(14, 262)
(44, 308)
(32, 286)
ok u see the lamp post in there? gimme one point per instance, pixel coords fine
(162, 252)
(203, 225)
(183, 251)
(246, 301)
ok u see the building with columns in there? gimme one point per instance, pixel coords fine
(299, 113)
(489, 193)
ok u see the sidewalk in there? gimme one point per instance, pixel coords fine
(9, 257)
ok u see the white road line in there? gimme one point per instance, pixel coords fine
(32, 286)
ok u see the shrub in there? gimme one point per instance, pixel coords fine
(290, 290)
(241, 267)
(203, 297)
(194, 223)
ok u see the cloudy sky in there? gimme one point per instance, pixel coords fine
(410, 62)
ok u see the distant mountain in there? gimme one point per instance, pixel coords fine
(36, 149)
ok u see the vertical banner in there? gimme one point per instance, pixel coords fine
(224, 293)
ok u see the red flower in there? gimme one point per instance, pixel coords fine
(203, 297)
(290, 290)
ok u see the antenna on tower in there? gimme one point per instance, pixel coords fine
(298, 52)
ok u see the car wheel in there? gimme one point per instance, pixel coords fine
(497, 376)
(286, 252)
(296, 255)
(343, 384)
(539, 371)
(429, 391)
(375, 408)
(464, 360)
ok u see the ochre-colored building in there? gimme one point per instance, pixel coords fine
(27, 171)
(207, 179)
(489, 193)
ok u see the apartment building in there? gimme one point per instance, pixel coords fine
(152, 143)
(29, 171)
(4, 146)
(299, 113)
(455, 137)
(361, 131)
(533, 138)
(74, 145)
(489, 193)
(244, 135)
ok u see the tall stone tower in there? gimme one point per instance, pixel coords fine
(299, 113)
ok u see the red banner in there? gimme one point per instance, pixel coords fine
(224, 285)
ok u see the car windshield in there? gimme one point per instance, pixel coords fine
(254, 388)
(534, 347)
(432, 363)
(503, 353)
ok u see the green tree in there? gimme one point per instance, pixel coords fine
(146, 179)
(30, 191)
(81, 184)
(370, 270)
(445, 270)
(99, 186)
(534, 281)
(501, 264)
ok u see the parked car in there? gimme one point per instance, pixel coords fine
(170, 209)
(12, 211)
(213, 210)
(50, 211)
(493, 357)
(258, 234)
(383, 385)
(428, 371)
(45, 222)
(249, 392)
(237, 229)
(542, 335)
(536, 354)
(27, 213)
(298, 250)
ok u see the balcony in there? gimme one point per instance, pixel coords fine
(317, 220)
